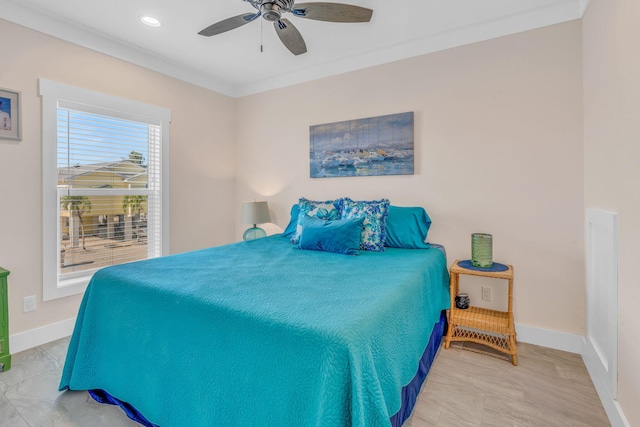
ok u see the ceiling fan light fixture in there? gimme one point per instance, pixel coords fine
(150, 21)
(271, 12)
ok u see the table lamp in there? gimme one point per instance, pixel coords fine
(255, 213)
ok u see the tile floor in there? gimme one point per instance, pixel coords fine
(29, 395)
(547, 388)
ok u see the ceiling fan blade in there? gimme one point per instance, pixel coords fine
(332, 12)
(290, 36)
(228, 24)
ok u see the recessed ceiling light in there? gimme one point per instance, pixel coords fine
(150, 21)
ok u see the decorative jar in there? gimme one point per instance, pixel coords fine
(481, 250)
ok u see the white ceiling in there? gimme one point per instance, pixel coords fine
(231, 63)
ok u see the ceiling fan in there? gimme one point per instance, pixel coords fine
(272, 11)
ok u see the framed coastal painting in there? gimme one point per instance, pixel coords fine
(380, 145)
(10, 115)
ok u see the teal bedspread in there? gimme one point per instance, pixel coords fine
(259, 333)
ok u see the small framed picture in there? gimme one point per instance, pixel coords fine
(10, 115)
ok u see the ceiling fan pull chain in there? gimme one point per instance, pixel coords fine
(261, 22)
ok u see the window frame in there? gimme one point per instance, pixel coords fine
(53, 94)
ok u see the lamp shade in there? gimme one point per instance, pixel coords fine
(255, 213)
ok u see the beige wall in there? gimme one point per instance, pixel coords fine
(201, 158)
(612, 163)
(498, 143)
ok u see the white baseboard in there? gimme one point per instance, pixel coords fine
(551, 339)
(599, 379)
(45, 334)
(529, 334)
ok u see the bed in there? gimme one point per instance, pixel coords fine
(262, 333)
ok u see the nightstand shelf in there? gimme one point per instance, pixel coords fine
(481, 325)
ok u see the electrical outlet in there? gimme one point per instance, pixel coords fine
(486, 293)
(29, 303)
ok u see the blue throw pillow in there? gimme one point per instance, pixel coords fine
(407, 228)
(375, 218)
(341, 236)
(290, 231)
(328, 210)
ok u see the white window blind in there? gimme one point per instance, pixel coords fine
(108, 192)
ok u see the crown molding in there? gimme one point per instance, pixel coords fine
(550, 13)
(99, 42)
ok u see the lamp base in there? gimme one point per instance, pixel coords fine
(253, 233)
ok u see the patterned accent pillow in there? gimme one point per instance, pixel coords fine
(375, 212)
(328, 210)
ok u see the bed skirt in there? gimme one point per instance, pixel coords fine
(409, 392)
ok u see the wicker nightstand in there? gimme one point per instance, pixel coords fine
(480, 325)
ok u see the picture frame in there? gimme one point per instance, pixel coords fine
(10, 115)
(374, 146)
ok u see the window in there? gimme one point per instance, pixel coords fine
(105, 181)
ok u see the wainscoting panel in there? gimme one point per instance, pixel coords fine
(601, 355)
